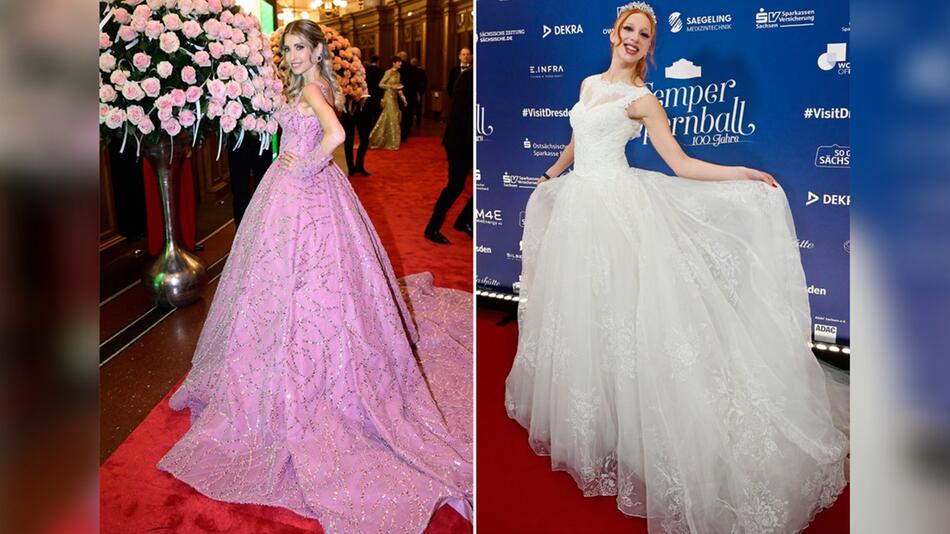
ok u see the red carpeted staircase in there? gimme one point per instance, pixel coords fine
(517, 491)
(135, 497)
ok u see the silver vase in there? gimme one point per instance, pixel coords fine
(177, 276)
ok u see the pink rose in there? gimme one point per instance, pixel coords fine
(234, 89)
(259, 83)
(191, 29)
(248, 122)
(247, 89)
(146, 126)
(239, 21)
(104, 41)
(227, 3)
(202, 59)
(171, 126)
(133, 91)
(276, 101)
(189, 75)
(225, 70)
(139, 24)
(106, 61)
(142, 12)
(228, 123)
(234, 109)
(186, 117)
(276, 85)
(121, 15)
(214, 6)
(151, 86)
(115, 119)
(169, 42)
(141, 60)
(217, 88)
(215, 109)
(165, 114)
(164, 69)
(272, 126)
(261, 125)
(155, 4)
(153, 29)
(257, 102)
(216, 48)
(178, 97)
(242, 51)
(201, 7)
(185, 7)
(254, 43)
(256, 59)
(119, 77)
(107, 93)
(227, 16)
(126, 33)
(212, 28)
(228, 46)
(163, 102)
(104, 110)
(172, 22)
(171, 4)
(193, 94)
(135, 114)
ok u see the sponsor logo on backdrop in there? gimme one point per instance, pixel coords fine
(545, 71)
(827, 113)
(516, 286)
(827, 199)
(815, 290)
(768, 20)
(702, 23)
(518, 182)
(540, 150)
(499, 36)
(479, 184)
(805, 244)
(521, 224)
(560, 30)
(513, 256)
(833, 157)
(706, 113)
(847, 246)
(489, 217)
(544, 113)
(825, 332)
(487, 281)
(482, 249)
(835, 57)
(482, 128)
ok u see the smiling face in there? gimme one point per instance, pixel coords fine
(632, 38)
(298, 53)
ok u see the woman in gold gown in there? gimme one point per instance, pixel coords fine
(386, 133)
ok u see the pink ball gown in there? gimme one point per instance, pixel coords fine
(305, 391)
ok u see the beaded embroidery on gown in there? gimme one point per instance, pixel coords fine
(662, 353)
(386, 132)
(305, 391)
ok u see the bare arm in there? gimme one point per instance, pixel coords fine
(648, 110)
(333, 136)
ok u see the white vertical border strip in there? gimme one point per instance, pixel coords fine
(474, 272)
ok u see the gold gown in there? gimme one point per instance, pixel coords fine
(386, 133)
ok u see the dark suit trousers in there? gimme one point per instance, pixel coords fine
(362, 124)
(242, 162)
(458, 173)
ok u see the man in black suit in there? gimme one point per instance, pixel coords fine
(374, 75)
(357, 118)
(422, 83)
(465, 63)
(243, 163)
(410, 88)
(458, 148)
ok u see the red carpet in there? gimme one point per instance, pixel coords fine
(137, 497)
(516, 489)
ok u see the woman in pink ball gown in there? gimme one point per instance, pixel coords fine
(305, 390)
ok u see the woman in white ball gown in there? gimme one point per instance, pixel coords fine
(662, 355)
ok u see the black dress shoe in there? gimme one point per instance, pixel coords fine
(465, 227)
(436, 237)
(362, 172)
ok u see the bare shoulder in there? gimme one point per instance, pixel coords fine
(315, 92)
(644, 105)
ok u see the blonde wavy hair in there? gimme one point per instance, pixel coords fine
(641, 69)
(311, 33)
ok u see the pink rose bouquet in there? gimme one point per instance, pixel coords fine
(184, 67)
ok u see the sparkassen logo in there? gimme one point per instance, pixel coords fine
(563, 29)
(768, 20)
(519, 182)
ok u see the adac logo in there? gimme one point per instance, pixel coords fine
(826, 332)
(835, 57)
(563, 29)
(828, 199)
(833, 156)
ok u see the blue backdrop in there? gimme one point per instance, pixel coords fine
(764, 86)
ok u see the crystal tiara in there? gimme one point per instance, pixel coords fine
(642, 6)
